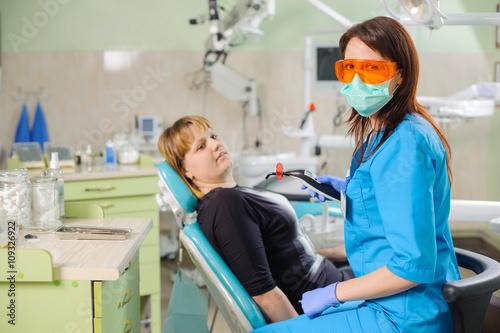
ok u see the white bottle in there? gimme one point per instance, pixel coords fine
(88, 158)
(55, 171)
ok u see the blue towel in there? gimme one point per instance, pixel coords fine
(39, 131)
(23, 132)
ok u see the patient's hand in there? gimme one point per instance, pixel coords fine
(275, 305)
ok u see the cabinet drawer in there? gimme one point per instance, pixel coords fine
(117, 303)
(65, 306)
(115, 207)
(109, 188)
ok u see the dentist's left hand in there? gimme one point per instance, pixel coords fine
(316, 301)
(335, 182)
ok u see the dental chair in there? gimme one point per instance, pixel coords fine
(469, 298)
(239, 310)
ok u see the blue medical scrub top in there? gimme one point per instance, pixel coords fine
(397, 207)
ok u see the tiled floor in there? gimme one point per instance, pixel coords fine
(167, 267)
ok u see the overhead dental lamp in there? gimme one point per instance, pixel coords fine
(234, 87)
(226, 26)
(427, 12)
(423, 12)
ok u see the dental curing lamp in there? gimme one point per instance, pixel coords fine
(308, 179)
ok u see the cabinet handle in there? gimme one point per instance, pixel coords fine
(129, 293)
(127, 268)
(102, 189)
(128, 322)
(107, 205)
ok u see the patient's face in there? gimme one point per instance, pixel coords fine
(207, 160)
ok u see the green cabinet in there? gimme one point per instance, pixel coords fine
(44, 304)
(130, 197)
(117, 303)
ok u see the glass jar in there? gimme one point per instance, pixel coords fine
(44, 205)
(15, 199)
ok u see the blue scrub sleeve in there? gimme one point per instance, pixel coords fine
(403, 175)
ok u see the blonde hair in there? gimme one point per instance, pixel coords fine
(175, 141)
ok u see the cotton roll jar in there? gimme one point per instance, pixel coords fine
(44, 205)
(15, 199)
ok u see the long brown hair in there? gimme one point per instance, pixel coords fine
(175, 141)
(390, 39)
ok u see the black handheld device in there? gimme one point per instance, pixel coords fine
(308, 179)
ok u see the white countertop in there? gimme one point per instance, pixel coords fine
(91, 259)
(102, 172)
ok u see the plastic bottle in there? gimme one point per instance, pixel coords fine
(55, 171)
(109, 153)
(88, 158)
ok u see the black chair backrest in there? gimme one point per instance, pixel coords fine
(469, 298)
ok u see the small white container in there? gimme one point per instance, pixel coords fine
(128, 155)
(45, 210)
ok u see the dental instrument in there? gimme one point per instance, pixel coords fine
(308, 179)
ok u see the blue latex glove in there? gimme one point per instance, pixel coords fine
(335, 182)
(316, 301)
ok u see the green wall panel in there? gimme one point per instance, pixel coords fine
(54, 25)
(50, 25)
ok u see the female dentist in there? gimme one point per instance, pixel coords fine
(396, 199)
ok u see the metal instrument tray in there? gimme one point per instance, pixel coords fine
(97, 233)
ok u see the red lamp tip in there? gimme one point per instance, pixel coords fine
(279, 171)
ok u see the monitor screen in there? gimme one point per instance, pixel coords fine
(326, 54)
(325, 60)
(147, 125)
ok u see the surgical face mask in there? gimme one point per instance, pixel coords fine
(367, 99)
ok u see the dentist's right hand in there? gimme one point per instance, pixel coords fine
(314, 302)
(335, 182)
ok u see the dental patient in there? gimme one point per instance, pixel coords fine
(255, 232)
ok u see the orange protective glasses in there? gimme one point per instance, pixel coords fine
(369, 71)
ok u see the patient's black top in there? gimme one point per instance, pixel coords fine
(258, 235)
